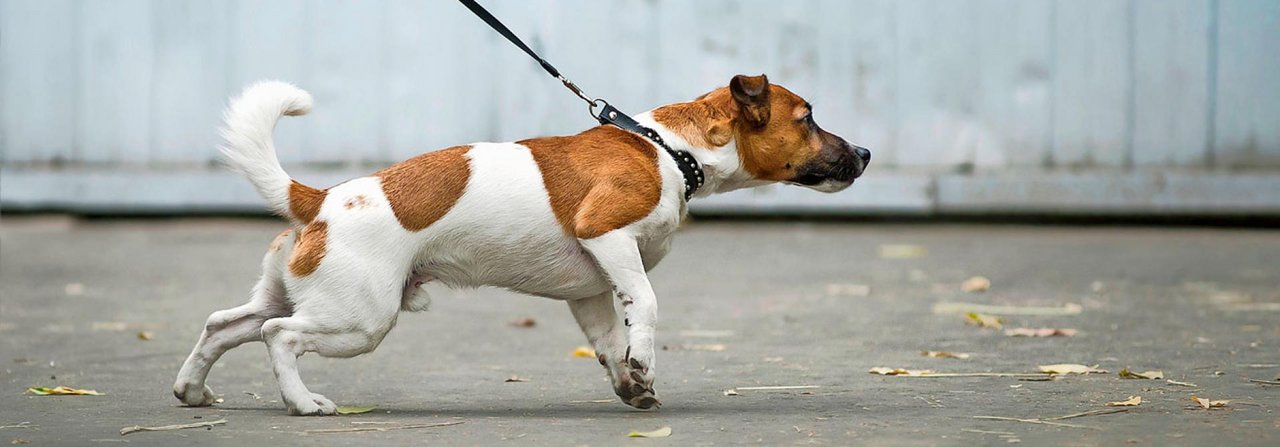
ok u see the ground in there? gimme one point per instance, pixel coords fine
(784, 300)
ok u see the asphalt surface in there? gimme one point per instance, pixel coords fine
(741, 305)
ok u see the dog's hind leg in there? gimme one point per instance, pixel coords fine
(345, 321)
(226, 329)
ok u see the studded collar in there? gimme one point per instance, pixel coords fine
(689, 167)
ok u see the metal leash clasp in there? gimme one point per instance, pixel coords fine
(592, 103)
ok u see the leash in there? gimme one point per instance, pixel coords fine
(693, 176)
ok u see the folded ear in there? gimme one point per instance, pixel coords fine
(752, 95)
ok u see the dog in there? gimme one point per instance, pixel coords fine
(577, 218)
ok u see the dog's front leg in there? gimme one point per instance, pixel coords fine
(618, 256)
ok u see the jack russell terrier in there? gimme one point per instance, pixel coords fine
(578, 218)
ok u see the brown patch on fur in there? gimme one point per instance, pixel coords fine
(304, 201)
(702, 123)
(359, 201)
(423, 189)
(278, 242)
(310, 248)
(599, 180)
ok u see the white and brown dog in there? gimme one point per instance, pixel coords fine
(578, 218)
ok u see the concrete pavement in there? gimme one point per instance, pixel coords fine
(741, 305)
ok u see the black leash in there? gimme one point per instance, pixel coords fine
(693, 176)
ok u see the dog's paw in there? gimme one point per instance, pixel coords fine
(635, 387)
(313, 405)
(193, 395)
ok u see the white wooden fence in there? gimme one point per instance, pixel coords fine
(970, 106)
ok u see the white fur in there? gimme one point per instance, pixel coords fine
(247, 144)
(501, 232)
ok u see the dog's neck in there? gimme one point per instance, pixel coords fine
(721, 164)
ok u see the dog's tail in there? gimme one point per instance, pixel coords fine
(248, 149)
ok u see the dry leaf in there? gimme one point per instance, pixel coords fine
(74, 289)
(146, 335)
(583, 351)
(659, 433)
(848, 289)
(1132, 402)
(61, 391)
(731, 392)
(19, 441)
(523, 322)
(355, 410)
(1153, 375)
(1039, 332)
(1071, 368)
(984, 320)
(516, 379)
(898, 371)
(945, 354)
(976, 284)
(903, 251)
(1209, 404)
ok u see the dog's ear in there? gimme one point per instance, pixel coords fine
(752, 95)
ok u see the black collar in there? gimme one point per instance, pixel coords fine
(688, 165)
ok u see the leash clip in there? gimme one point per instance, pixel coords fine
(592, 103)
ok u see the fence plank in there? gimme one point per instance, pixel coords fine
(37, 80)
(1014, 62)
(190, 76)
(115, 60)
(1248, 85)
(268, 41)
(1171, 82)
(346, 76)
(937, 84)
(1091, 94)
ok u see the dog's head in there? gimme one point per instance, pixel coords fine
(776, 136)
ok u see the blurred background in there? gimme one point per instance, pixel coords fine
(972, 107)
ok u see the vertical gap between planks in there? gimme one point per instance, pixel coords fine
(1211, 102)
(1051, 142)
(1131, 100)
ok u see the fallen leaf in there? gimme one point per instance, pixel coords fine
(1071, 368)
(146, 335)
(19, 441)
(73, 289)
(848, 289)
(355, 410)
(516, 379)
(716, 347)
(1209, 404)
(1132, 402)
(1153, 375)
(583, 351)
(523, 322)
(659, 433)
(947, 307)
(731, 392)
(898, 371)
(1039, 332)
(945, 354)
(903, 251)
(61, 391)
(976, 284)
(984, 320)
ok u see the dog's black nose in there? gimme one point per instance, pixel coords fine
(863, 153)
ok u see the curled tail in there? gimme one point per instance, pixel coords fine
(248, 149)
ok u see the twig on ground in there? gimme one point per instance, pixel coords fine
(1033, 421)
(18, 425)
(1186, 384)
(928, 375)
(1089, 413)
(360, 429)
(1265, 382)
(137, 428)
(988, 432)
(772, 388)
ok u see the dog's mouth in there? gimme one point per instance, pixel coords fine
(831, 176)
